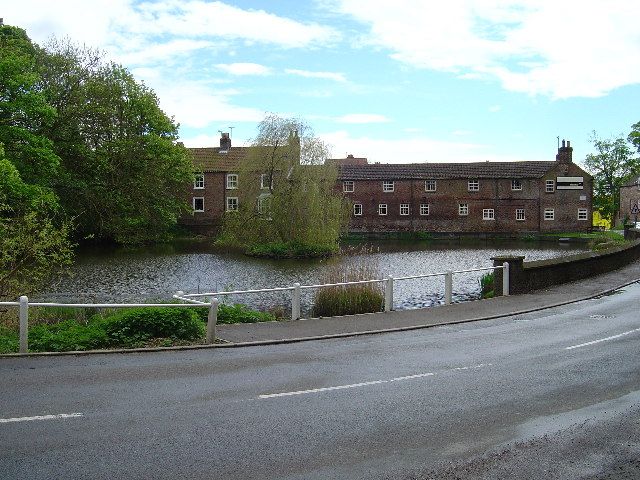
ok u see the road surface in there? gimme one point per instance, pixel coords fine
(550, 394)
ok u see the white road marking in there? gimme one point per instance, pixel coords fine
(613, 337)
(364, 384)
(41, 417)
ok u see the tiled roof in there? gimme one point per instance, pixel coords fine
(209, 159)
(444, 170)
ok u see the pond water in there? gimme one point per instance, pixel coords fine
(127, 275)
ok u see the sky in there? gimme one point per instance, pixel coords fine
(396, 82)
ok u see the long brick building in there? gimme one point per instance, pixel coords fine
(485, 197)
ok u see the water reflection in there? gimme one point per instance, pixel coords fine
(117, 274)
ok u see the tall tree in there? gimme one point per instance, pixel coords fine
(25, 113)
(288, 205)
(610, 166)
(634, 136)
(34, 237)
(122, 173)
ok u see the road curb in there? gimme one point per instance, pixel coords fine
(316, 337)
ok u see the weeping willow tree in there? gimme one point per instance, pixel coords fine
(288, 206)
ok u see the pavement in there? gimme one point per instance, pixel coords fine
(370, 323)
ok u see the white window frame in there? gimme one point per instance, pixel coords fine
(424, 209)
(549, 214)
(488, 214)
(430, 183)
(518, 211)
(198, 181)
(194, 204)
(473, 185)
(388, 186)
(404, 209)
(357, 209)
(516, 184)
(583, 214)
(550, 186)
(463, 209)
(382, 207)
(228, 202)
(264, 180)
(348, 186)
(232, 181)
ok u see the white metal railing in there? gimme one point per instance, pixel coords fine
(212, 304)
(388, 282)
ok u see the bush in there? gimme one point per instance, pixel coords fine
(237, 313)
(68, 335)
(486, 285)
(132, 328)
(291, 250)
(8, 340)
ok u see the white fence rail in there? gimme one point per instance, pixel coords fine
(212, 319)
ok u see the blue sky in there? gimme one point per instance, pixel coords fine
(401, 81)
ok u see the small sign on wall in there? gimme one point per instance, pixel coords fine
(569, 183)
(633, 207)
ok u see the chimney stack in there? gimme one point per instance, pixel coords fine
(565, 153)
(225, 142)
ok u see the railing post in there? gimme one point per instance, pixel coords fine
(388, 294)
(295, 302)
(505, 278)
(448, 287)
(212, 321)
(24, 324)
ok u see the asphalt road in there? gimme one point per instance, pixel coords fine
(551, 394)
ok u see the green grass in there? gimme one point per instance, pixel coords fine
(486, 285)
(237, 313)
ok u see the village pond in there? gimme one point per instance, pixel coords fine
(156, 273)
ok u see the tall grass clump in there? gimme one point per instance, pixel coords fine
(486, 285)
(349, 299)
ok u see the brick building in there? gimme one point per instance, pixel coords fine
(630, 201)
(486, 197)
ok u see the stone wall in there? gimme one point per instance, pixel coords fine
(525, 277)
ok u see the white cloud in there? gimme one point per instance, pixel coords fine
(160, 52)
(362, 118)
(244, 68)
(559, 49)
(198, 104)
(213, 140)
(495, 108)
(335, 76)
(410, 150)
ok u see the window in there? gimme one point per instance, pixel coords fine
(382, 209)
(232, 181)
(387, 186)
(347, 186)
(488, 214)
(520, 214)
(550, 186)
(404, 209)
(232, 204)
(582, 214)
(198, 204)
(474, 185)
(463, 209)
(549, 214)
(424, 209)
(198, 183)
(264, 181)
(357, 209)
(516, 185)
(429, 185)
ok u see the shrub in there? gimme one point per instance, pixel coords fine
(8, 340)
(486, 285)
(349, 299)
(291, 250)
(68, 335)
(133, 327)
